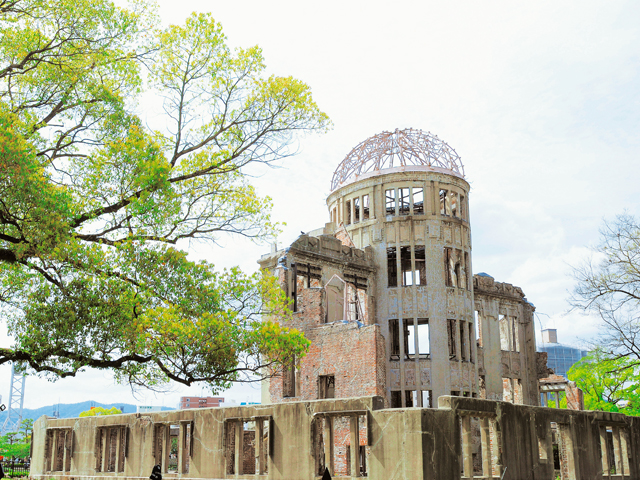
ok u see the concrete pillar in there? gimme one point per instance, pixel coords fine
(238, 447)
(354, 434)
(260, 446)
(105, 450)
(604, 451)
(617, 450)
(467, 458)
(118, 450)
(327, 436)
(485, 441)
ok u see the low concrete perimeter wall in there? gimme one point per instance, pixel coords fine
(462, 438)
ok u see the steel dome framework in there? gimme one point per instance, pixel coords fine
(400, 148)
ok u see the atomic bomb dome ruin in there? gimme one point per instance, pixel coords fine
(418, 368)
(385, 290)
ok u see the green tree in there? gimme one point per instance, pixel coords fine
(95, 204)
(97, 411)
(610, 385)
(608, 285)
(25, 429)
(12, 444)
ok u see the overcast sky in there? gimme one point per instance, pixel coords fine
(540, 99)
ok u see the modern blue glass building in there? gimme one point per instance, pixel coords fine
(560, 357)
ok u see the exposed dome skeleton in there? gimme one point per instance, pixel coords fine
(400, 148)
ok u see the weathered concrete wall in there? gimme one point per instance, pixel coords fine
(464, 437)
(507, 342)
(421, 224)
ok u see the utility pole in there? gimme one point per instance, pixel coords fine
(16, 402)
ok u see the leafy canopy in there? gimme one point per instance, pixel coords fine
(609, 385)
(95, 204)
(17, 444)
(608, 285)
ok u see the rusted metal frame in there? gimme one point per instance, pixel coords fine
(406, 147)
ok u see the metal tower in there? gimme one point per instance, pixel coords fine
(16, 401)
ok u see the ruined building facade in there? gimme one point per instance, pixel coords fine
(385, 291)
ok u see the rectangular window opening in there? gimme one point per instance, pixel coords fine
(59, 449)
(248, 450)
(448, 267)
(517, 392)
(451, 336)
(416, 334)
(426, 399)
(403, 201)
(356, 209)
(503, 323)
(158, 443)
(362, 453)
(418, 201)
(476, 446)
(463, 213)
(507, 390)
(471, 342)
(411, 398)
(265, 452)
(445, 206)
(420, 259)
(409, 339)
(609, 465)
(112, 449)
(172, 449)
(396, 399)
(454, 204)
(463, 343)
(294, 290)
(341, 452)
(394, 331)
(458, 279)
(392, 267)
(390, 201)
(289, 379)
(467, 273)
(365, 207)
(542, 448)
(326, 386)
(405, 265)
(424, 342)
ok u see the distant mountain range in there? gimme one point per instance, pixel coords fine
(70, 410)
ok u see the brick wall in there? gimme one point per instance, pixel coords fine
(575, 399)
(249, 452)
(354, 355)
